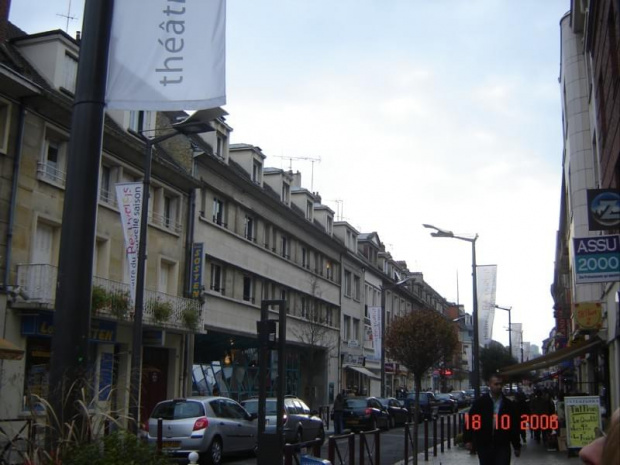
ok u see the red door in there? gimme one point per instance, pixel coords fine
(154, 379)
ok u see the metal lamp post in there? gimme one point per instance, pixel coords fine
(476, 349)
(186, 127)
(383, 291)
(508, 309)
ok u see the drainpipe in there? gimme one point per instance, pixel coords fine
(11, 219)
(189, 241)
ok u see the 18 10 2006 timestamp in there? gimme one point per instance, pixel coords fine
(504, 422)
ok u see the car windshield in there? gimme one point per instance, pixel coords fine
(271, 406)
(443, 396)
(355, 403)
(178, 410)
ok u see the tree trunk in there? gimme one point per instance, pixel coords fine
(417, 380)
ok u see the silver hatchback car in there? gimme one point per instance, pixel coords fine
(300, 423)
(211, 426)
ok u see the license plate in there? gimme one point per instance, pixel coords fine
(170, 444)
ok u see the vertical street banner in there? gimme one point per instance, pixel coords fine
(486, 283)
(167, 55)
(583, 419)
(196, 277)
(374, 313)
(129, 197)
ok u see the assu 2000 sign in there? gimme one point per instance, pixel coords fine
(504, 422)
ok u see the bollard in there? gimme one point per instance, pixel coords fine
(449, 432)
(426, 440)
(434, 437)
(160, 433)
(193, 458)
(454, 426)
(442, 437)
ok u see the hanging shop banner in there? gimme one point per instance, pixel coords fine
(42, 325)
(588, 315)
(583, 418)
(374, 313)
(196, 277)
(129, 197)
(597, 259)
(486, 284)
(603, 209)
(167, 55)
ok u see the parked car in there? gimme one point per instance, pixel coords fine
(211, 426)
(300, 424)
(365, 413)
(461, 398)
(447, 403)
(398, 413)
(429, 407)
(471, 395)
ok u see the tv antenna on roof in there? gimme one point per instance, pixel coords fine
(311, 159)
(68, 16)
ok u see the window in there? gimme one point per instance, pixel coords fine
(304, 258)
(70, 70)
(218, 211)
(284, 246)
(101, 257)
(140, 121)
(216, 278)
(286, 193)
(257, 169)
(309, 210)
(5, 118)
(167, 277)
(248, 229)
(53, 163)
(328, 269)
(305, 307)
(104, 192)
(355, 333)
(346, 330)
(347, 283)
(357, 287)
(248, 291)
(330, 225)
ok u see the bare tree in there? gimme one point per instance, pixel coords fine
(419, 341)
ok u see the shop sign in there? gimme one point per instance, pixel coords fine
(583, 418)
(603, 209)
(153, 337)
(597, 259)
(588, 315)
(196, 277)
(391, 367)
(42, 324)
(353, 359)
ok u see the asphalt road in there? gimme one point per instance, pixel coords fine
(392, 447)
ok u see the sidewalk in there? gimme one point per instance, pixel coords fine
(532, 453)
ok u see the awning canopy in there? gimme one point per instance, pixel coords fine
(9, 351)
(553, 358)
(362, 370)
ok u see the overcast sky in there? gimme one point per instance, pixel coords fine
(421, 111)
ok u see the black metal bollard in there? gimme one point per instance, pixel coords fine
(449, 432)
(426, 440)
(442, 434)
(435, 437)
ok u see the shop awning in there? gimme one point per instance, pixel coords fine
(553, 358)
(362, 370)
(9, 351)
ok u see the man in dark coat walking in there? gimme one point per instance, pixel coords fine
(492, 425)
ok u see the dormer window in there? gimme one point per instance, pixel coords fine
(257, 171)
(286, 193)
(140, 121)
(330, 225)
(309, 209)
(70, 65)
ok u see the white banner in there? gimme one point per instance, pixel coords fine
(486, 282)
(167, 55)
(374, 313)
(129, 197)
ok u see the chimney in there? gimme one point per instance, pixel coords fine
(5, 7)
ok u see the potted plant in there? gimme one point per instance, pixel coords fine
(161, 310)
(190, 318)
(119, 303)
(99, 298)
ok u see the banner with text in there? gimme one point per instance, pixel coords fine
(486, 283)
(374, 313)
(129, 196)
(167, 55)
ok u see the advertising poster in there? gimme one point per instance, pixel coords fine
(583, 418)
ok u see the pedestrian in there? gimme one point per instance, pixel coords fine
(604, 450)
(338, 414)
(492, 425)
(523, 407)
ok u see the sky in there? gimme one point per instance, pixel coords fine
(404, 112)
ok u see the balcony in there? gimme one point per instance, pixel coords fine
(110, 299)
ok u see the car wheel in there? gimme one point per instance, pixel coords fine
(321, 435)
(214, 453)
(299, 436)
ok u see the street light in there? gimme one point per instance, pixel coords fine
(383, 290)
(476, 349)
(187, 127)
(509, 327)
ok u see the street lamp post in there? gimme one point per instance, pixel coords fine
(186, 127)
(508, 309)
(383, 291)
(476, 349)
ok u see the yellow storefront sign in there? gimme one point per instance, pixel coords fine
(588, 315)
